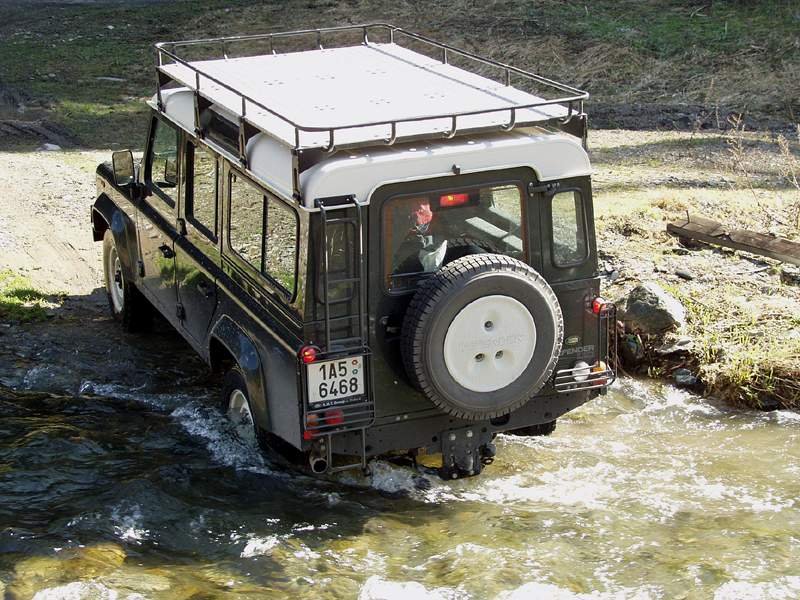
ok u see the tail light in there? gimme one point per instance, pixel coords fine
(449, 200)
(581, 371)
(600, 306)
(308, 354)
(600, 367)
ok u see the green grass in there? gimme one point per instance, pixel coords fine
(54, 56)
(21, 302)
(743, 358)
(670, 29)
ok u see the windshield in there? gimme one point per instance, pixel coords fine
(422, 232)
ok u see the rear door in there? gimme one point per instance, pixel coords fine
(408, 224)
(570, 266)
(157, 217)
(197, 252)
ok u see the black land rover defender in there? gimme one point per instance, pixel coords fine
(384, 253)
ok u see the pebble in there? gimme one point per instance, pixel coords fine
(684, 274)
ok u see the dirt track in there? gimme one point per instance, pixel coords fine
(45, 231)
(45, 235)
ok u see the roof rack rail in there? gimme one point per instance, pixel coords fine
(257, 109)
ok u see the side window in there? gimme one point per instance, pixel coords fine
(201, 192)
(263, 232)
(162, 164)
(281, 244)
(569, 229)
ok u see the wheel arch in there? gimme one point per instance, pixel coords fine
(107, 215)
(229, 344)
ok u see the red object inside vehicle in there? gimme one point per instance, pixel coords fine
(449, 200)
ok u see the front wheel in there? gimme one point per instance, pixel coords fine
(127, 304)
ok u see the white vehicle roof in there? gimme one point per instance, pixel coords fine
(341, 88)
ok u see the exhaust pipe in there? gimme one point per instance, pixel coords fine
(318, 464)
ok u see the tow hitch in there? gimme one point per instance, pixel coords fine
(465, 452)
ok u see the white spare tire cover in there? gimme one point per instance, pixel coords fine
(482, 336)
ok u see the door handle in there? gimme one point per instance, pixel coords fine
(166, 251)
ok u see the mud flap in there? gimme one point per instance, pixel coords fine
(465, 451)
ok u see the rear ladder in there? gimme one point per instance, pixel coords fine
(357, 416)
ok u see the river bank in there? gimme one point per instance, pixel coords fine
(742, 319)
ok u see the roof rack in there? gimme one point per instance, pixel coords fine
(474, 103)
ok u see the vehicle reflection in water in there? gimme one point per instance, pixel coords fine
(648, 492)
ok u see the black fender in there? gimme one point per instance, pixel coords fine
(243, 351)
(107, 215)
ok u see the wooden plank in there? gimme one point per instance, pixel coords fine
(711, 232)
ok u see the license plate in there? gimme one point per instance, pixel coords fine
(334, 381)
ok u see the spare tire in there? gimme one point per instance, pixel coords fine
(482, 336)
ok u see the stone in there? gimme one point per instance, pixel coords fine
(631, 350)
(649, 309)
(684, 378)
(684, 274)
(790, 275)
(680, 345)
(48, 147)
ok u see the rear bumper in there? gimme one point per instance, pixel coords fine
(408, 432)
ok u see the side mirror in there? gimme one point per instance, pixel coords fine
(124, 171)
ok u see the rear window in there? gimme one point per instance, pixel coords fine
(424, 231)
(569, 229)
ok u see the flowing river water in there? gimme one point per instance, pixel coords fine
(648, 492)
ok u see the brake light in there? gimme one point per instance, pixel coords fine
(334, 417)
(308, 354)
(449, 200)
(599, 305)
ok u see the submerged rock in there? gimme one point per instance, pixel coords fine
(649, 309)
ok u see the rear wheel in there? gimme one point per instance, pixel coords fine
(237, 409)
(236, 405)
(127, 304)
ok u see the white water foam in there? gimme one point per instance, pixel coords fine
(260, 546)
(128, 523)
(783, 588)
(199, 420)
(377, 588)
